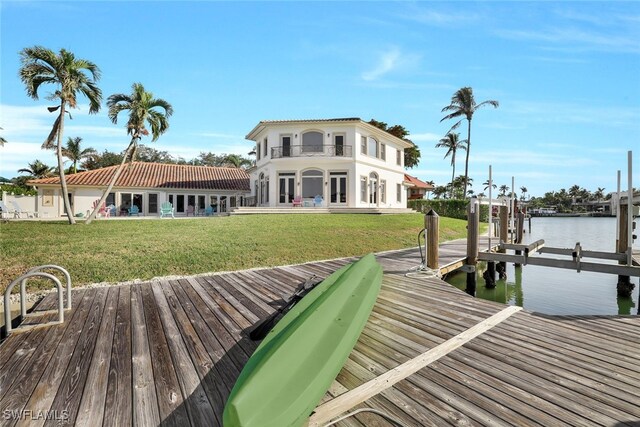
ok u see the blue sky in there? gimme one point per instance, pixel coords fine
(566, 74)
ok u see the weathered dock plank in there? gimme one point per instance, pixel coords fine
(169, 352)
(118, 400)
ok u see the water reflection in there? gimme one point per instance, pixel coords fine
(557, 291)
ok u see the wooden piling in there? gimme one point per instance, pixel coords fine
(625, 286)
(520, 227)
(473, 232)
(432, 225)
(503, 214)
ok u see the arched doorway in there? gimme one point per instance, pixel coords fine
(373, 189)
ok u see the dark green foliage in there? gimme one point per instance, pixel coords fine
(19, 188)
(411, 154)
(447, 208)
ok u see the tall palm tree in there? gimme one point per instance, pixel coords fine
(143, 109)
(524, 192)
(463, 105)
(452, 143)
(37, 169)
(486, 185)
(503, 190)
(71, 76)
(74, 152)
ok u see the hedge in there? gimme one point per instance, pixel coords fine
(450, 208)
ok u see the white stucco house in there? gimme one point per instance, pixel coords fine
(342, 162)
(147, 186)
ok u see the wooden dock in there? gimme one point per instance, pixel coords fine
(168, 352)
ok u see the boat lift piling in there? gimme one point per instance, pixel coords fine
(473, 232)
(490, 274)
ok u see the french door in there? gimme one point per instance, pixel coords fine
(286, 188)
(338, 188)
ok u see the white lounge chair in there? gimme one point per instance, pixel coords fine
(18, 212)
(6, 212)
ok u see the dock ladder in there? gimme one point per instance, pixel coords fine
(22, 280)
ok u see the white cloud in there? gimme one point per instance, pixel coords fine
(575, 39)
(387, 62)
(425, 137)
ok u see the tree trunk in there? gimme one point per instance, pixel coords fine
(114, 178)
(466, 162)
(453, 174)
(63, 181)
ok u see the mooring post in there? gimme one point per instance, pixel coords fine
(489, 275)
(519, 231)
(504, 232)
(432, 225)
(625, 286)
(473, 231)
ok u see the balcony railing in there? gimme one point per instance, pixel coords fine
(311, 151)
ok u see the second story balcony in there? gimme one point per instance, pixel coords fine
(311, 151)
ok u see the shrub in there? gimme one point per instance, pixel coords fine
(450, 208)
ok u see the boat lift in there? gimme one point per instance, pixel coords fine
(576, 263)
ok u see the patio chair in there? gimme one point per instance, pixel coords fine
(297, 201)
(208, 211)
(105, 211)
(166, 209)
(111, 210)
(5, 211)
(191, 211)
(317, 201)
(17, 213)
(134, 210)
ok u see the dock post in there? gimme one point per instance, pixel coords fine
(625, 286)
(432, 225)
(519, 231)
(473, 231)
(504, 232)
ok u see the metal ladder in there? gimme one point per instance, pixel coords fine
(37, 272)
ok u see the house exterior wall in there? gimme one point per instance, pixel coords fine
(271, 164)
(50, 204)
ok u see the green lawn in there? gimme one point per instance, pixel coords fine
(113, 251)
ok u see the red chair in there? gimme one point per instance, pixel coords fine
(297, 201)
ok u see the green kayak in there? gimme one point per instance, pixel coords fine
(292, 369)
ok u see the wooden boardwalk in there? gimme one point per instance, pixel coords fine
(168, 352)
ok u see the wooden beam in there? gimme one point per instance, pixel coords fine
(561, 263)
(585, 254)
(328, 411)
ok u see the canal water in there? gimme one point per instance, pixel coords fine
(557, 291)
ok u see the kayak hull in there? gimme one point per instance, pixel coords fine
(291, 370)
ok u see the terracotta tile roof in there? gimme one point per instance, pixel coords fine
(159, 175)
(416, 182)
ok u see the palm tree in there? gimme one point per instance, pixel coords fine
(524, 192)
(462, 106)
(75, 153)
(599, 194)
(37, 169)
(486, 185)
(71, 76)
(503, 190)
(452, 143)
(236, 161)
(143, 109)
